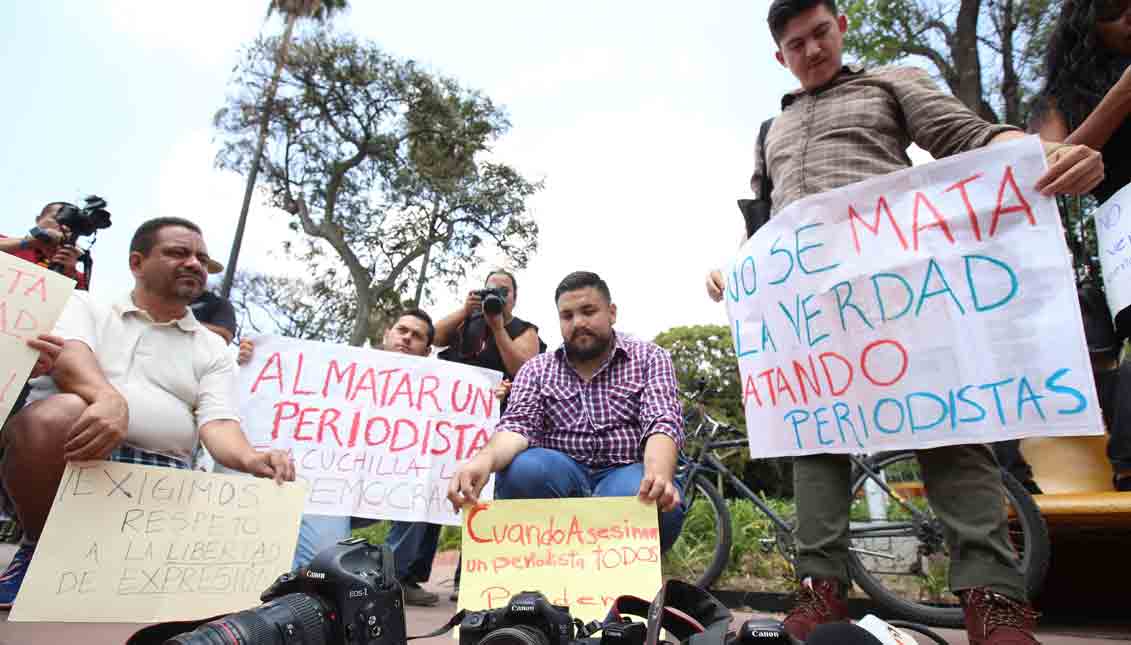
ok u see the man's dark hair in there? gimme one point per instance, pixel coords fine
(422, 315)
(145, 237)
(782, 11)
(49, 206)
(514, 283)
(581, 280)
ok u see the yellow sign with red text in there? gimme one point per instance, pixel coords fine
(579, 552)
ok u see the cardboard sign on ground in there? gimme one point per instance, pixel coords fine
(582, 553)
(130, 543)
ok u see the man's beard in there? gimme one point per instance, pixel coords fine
(580, 354)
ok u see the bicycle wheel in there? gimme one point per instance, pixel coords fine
(901, 560)
(703, 548)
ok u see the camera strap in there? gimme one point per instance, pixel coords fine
(684, 611)
(453, 622)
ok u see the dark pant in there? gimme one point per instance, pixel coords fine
(539, 473)
(1119, 426)
(414, 548)
(964, 486)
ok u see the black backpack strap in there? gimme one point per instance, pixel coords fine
(756, 212)
(766, 189)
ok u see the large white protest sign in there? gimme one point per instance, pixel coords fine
(31, 299)
(928, 307)
(375, 434)
(1113, 236)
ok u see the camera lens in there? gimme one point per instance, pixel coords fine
(275, 623)
(492, 305)
(517, 635)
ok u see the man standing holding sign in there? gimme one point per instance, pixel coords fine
(599, 417)
(138, 380)
(843, 126)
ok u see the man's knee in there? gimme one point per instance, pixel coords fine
(42, 426)
(534, 474)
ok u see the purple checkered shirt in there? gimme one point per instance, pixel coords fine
(606, 421)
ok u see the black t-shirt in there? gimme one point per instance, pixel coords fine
(476, 344)
(214, 310)
(1117, 163)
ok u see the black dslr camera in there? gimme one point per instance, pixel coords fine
(528, 619)
(84, 221)
(348, 594)
(493, 299)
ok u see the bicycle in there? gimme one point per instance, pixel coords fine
(898, 554)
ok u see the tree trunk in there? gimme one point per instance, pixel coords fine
(1010, 83)
(427, 255)
(967, 60)
(268, 98)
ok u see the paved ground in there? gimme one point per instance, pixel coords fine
(423, 620)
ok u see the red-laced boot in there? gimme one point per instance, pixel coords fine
(817, 602)
(994, 619)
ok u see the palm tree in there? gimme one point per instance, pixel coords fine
(293, 10)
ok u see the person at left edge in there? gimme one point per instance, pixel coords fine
(45, 243)
(138, 380)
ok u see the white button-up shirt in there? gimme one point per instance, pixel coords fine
(175, 376)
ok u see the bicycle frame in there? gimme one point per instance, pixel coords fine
(706, 461)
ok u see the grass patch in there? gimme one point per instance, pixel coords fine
(377, 533)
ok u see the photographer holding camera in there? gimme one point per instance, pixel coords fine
(49, 244)
(474, 333)
(484, 332)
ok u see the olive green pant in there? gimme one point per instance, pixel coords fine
(964, 487)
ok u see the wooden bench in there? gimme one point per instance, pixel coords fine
(1089, 526)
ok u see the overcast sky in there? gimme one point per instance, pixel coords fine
(639, 116)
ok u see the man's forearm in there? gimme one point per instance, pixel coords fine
(660, 455)
(501, 450)
(447, 327)
(77, 372)
(511, 351)
(11, 244)
(1008, 135)
(227, 443)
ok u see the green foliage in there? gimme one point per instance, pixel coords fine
(754, 559)
(384, 166)
(706, 352)
(377, 532)
(317, 9)
(989, 53)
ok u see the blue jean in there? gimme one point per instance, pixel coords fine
(540, 473)
(316, 533)
(414, 547)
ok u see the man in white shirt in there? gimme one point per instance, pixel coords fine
(138, 380)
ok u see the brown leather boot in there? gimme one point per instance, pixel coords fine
(817, 602)
(994, 619)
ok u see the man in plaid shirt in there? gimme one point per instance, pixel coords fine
(598, 417)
